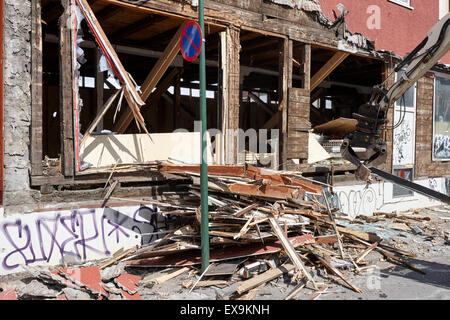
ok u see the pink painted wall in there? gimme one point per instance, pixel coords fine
(401, 29)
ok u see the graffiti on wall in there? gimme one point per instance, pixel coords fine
(441, 146)
(403, 141)
(82, 234)
(358, 202)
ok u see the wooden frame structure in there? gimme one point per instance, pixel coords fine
(286, 26)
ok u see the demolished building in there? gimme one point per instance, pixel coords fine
(112, 106)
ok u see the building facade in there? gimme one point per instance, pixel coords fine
(74, 70)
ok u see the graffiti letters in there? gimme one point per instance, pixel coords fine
(82, 234)
(359, 202)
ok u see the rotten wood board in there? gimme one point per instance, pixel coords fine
(227, 253)
(165, 277)
(263, 278)
(336, 273)
(289, 248)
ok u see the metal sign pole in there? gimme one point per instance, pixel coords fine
(204, 164)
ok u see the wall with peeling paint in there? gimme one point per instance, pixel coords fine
(17, 101)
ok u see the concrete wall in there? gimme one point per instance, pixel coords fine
(355, 200)
(17, 89)
(72, 236)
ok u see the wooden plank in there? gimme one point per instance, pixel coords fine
(66, 100)
(99, 116)
(261, 103)
(133, 98)
(99, 89)
(366, 252)
(117, 258)
(389, 255)
(285, 83)
(230, 56)
(290, 250)
(163, 278)
(337, 273)
(155, 75)
(241, 212)
(263, 278)
(328, 68)
(306, 60)
(273, 121)
(338, 236)
(36, 90)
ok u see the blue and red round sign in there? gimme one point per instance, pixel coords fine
(191, 41)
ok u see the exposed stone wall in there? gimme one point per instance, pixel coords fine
(17, 101)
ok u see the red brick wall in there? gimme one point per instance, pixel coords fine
(402, 29)
(425, 166)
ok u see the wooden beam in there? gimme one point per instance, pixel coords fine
(66, 93)
(99, 88)
(131, 95)
(306, 61)
(136, 26)
(272, 122)
(108, 12)
(153, 77)
(36, 90)
(287, 245)
(163, 85)
(284, 84)
(328, 68)
(261, 103)
(230, 81)
(263, 278)
(99, 116)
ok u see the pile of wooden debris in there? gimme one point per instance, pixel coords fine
(263, 224)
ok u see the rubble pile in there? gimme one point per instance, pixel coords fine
(263, 225)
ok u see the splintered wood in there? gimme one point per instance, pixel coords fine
(263, 224)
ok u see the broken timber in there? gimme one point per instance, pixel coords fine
(328, 68)
(287, 245)
(153, 77)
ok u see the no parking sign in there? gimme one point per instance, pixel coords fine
(191, 41)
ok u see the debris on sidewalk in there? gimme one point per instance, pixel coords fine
(264, 225)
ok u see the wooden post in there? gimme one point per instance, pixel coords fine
(284, 84)
(306, 61)
(230, 46)
(99, 85)
(36, 89)
(177, 104)
(66, 93)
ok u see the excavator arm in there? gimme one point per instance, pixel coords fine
(372, 115)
